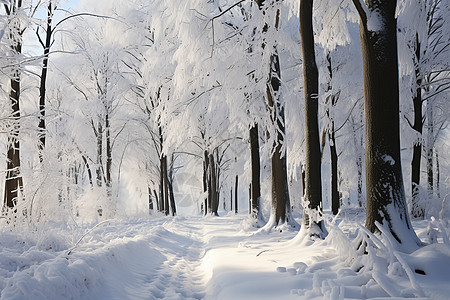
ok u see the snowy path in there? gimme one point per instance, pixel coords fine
(211, 258)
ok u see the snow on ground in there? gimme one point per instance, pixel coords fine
(218, 258)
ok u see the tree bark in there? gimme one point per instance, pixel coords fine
(430, 146)
(236, 195)
(108, 182)
(331, 103)
(386, 202)
(255, 193)
(99, 170)
(170, 184)
(417, 210)
(165, 184)
(313, 176)
(212, 187)
(43, 82)
(14, 181)
(335, 201)
(206, 207)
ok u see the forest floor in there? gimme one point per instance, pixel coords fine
(217, 258)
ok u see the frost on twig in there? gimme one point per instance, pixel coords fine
(68, 252)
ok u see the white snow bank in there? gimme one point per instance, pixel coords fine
(213, 258)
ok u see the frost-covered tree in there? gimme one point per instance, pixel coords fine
(424, 66)
(386, 203)
(13, 35)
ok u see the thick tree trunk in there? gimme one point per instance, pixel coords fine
(255, 193)
(386, 202)
(313, 176)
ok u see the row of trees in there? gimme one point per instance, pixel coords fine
(213, 88)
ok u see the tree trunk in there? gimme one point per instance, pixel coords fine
(43, 82)
(170, 184)
(108, 182)
(438, 189)
(255, 193)
(150, 198)
(386, 202)
(13, 181)
(165, 184)
(236, 195)
(91, 182)
(335, 201)
(313, 176)
(280, 189)
(417, 210)
(430, 146)
(331, 103)
(212, 191)
(206, 207)
(99, 170)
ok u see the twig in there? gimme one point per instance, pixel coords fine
(87, 232)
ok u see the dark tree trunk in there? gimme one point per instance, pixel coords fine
(386, 202)
(99, 170)
(108, 182)
(213, 201)
(171, 193)
(206, 207)
(331, 103)
(13, 181)
(250, 198)
(438, 188)
(430, 146)
(91, 182)
(172, 199)
(255, 191)
(161, 186)
(165, 184)
(43, 82)
(313, 176)
(335, 201)
(236, 195)
(417, 210)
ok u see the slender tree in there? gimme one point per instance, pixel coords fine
(313, 176)
(386, 202)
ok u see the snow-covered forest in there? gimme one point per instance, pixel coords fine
(224, 149)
